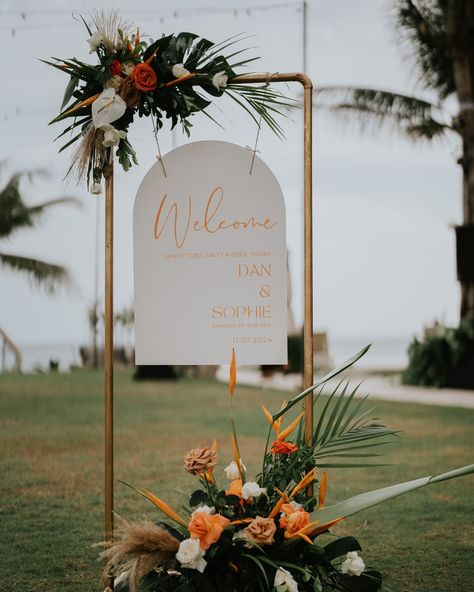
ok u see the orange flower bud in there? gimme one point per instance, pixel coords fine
(232, 373)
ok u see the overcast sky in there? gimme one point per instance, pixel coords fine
(384, 249)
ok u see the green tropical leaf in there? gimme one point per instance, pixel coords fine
(329, 376)
(70, 88)
(261, 573)
(366, 500)
(340, 547)
(343, 433)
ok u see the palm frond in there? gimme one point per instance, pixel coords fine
(14, 212)
(264, 102)
(44, 274)
(422, 23)
(345, 431)
(38, 210)
(414, 117)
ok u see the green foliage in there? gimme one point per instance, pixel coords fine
(15, 215)
(47, 275)
(173, 99)
(413, 117)
(422, 26)
(444, 358)
(235, 561)
(295, 353)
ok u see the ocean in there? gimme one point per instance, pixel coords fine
(386, 353)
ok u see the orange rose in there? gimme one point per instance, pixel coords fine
(144, 77)
(294, 520)
(235, 488)
(283, 447)
(207, 528)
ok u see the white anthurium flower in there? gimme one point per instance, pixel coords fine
(219, 80)
(284, 579)
(252, 489)
(190, 555)
(96, 189)
(232, 471)
(179, 71)
(95, 41)
(205, 509)
(353, 564)
(107, 108)
(112, 136)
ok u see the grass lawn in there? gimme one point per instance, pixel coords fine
(51, 476)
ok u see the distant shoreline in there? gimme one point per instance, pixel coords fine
(386, 354)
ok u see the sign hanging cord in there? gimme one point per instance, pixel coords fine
(155, 133)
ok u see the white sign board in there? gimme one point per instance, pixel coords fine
(210, 259)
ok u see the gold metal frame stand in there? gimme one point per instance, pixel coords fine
(305, 81)
(109, 356)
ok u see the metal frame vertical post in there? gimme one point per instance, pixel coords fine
(109, 354)
(307, 84)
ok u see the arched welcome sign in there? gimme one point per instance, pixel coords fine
(210, 259)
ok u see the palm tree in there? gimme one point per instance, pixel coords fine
(439, 36)
(15, 215)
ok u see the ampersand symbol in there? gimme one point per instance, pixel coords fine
(265, 291)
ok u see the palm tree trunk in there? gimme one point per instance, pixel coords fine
(460, 27)
(16, 352)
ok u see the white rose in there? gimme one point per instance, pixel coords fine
(252, 489)
(205, 509)
(179, 71)
(190, 555)
(95, 41)
(353, 564)
(232, 471)
(284, 578)
(96, 189)
(112, 136)
(219, 80)
(128, 67)
(296, 505)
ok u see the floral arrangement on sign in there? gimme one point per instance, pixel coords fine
(264, 533)
(173, 77)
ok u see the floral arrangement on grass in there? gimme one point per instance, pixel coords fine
(173, 77)
(263, 533)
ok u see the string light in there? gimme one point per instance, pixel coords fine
(185, 12)
(159, 14)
